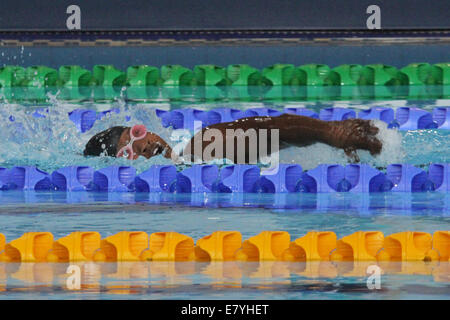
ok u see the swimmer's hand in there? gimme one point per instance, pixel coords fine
(353, 134)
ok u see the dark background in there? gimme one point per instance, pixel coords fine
(227, 17)
(223, 14)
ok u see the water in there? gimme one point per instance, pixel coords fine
(197, 216)
(52, 142)
(225, 280)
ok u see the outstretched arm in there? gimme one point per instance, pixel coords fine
(294, 130)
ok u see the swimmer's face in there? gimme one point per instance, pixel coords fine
(151, 145)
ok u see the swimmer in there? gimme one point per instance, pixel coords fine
(294, 130)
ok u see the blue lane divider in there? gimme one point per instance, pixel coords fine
(379, 113)
(439, 174)
(324, 178)
(74, 178)
(407, 178)
(115, 179)
(27, 178)
(239, 178)
(287, 178)
(364, 178)
(441, 116)
(218, 115)
(336, 114)
(414, 118)
(262, 112)
(302, 112)
(198, 178)
(281, 179)
(180, 119)
(404, 118)
(3, 178)
(84, 119)
(158, 178)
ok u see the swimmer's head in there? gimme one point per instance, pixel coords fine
(104, 143)
(110, 141)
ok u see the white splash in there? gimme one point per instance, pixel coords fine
(319, 153)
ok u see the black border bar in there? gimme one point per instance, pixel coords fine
(173, 15)
(218, 35)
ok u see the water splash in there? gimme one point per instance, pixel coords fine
(52, 141)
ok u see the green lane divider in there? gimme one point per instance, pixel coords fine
(211, 75)
(233, 82)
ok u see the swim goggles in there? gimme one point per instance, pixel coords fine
(137, 132)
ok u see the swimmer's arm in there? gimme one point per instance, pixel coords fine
(300, 131)
(293, 130)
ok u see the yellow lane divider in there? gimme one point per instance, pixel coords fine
(227, 246)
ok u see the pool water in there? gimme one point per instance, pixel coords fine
(225, 280)
(52, 142)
